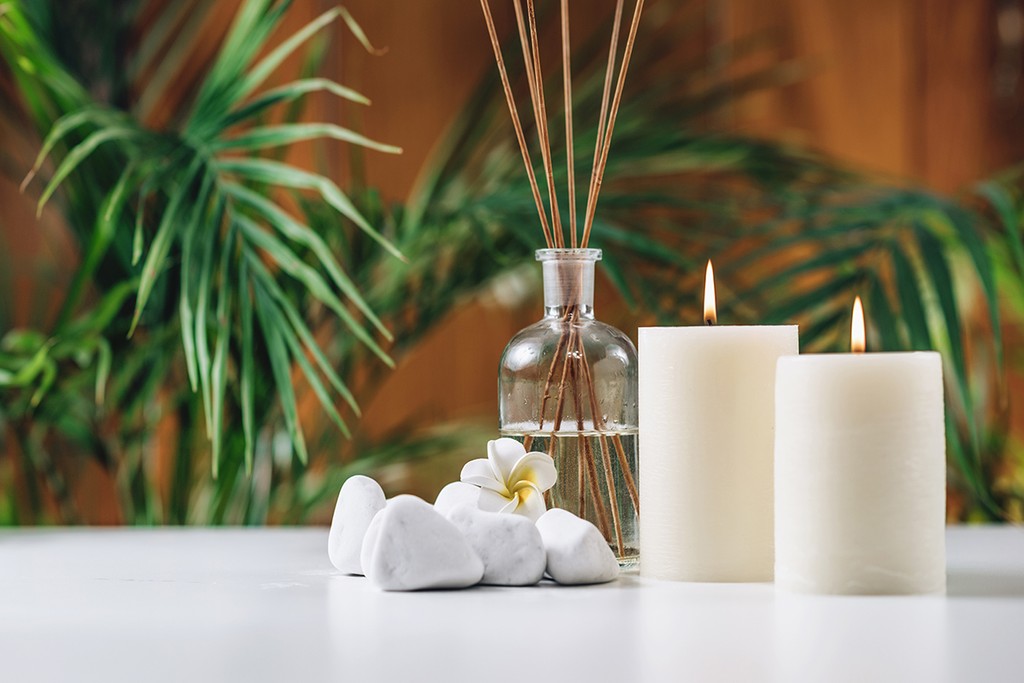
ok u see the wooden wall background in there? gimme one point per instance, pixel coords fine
(911, 89)
(902, 88)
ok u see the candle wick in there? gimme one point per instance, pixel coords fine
(709, 321)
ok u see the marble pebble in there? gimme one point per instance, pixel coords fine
(576, 551)
(360, 499)
(455, 494)
(411, 546)
(509, 545)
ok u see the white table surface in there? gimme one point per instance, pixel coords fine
(265, 605)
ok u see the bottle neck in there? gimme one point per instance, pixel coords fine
(568, 286)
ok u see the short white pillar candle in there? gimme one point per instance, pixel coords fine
(860, 473)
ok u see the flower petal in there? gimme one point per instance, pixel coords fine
(531, 502)
(479, 473)
(537, 468)
(503, 455)
(492, 501)
(512, 506)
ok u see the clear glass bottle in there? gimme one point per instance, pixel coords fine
(567, 385)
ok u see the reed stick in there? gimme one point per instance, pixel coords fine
(562, 339)
(556, 421)
(598, 422)
(569, 145)
(620, 451)
(560, 404)
(581, 490)
(580, 471)
(612, 114)
(534, 80)
(609, 479)
(613, 50)
(514, 113)
(542, 125)
(595, 489)
(586, 462)
(531, 80)
(599, 425)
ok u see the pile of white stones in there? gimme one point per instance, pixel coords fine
(406, 544)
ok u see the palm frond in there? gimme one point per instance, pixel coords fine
(212, 211)
(794, 238)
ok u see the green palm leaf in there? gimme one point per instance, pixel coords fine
(289, 93)
(194, 190)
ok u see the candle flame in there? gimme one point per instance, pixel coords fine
(710, 308)
(857, 336)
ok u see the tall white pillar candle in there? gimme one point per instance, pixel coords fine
(860, 474)
(706, 437)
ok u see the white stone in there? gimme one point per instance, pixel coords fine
(509, 545)
(455, 494)
(411, 546)
(576, 551)
(359, 500)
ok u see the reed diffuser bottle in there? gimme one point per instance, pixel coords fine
(568, 386)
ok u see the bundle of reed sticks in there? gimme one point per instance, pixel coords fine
(569, 365)
(554, 232)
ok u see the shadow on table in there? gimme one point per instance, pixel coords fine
(981, 584)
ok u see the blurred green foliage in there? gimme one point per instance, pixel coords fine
(201, 293)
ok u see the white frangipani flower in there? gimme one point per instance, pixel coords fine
(510, 479)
